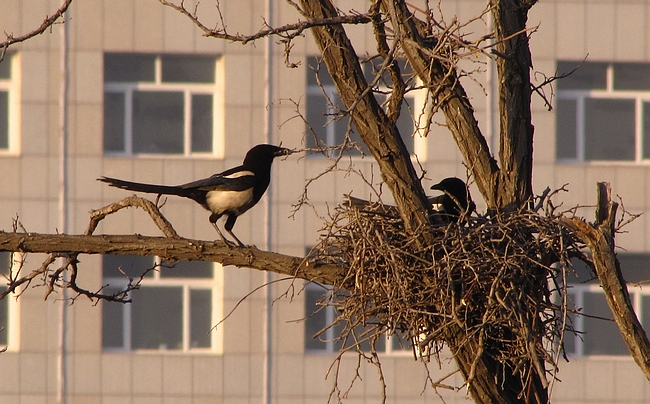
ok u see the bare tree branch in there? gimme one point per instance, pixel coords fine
(287, 32)
(47, 23)
(599, 238)
(172, 249)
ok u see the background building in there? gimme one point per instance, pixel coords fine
(136, 67)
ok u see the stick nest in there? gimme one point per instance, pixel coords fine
(493, 278)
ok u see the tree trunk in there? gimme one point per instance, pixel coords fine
(516, 130)
(374, 127)
(490, 382)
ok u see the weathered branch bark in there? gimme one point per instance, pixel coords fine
(516, 130)
(599, 238)
(172, 249)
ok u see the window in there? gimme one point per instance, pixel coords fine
(9, 306)
(603, 112)
(599, 335)
(5, 265)
(160, 104)
(174, 309)
(9, 103)
(320, 315)
(321, 115)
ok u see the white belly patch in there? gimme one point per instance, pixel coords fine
(230, 201)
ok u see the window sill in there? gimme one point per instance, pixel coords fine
(165, 352)
(603, 163)
(150, 156)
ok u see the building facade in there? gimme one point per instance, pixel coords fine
(145, 97)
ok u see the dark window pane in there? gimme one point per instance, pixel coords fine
(316, 110)
(114, 122)
(5, 265)
(187, 269)
(363, 338)
(112, 322)
(5, 262)
(354, 137)
(601, 337)
(609, 129)
(373, 66)
(200, 318)
(589, 76)
(634, 266)
(399, 343)
(5, 68)
(188, 68)
(569, 336)
(158, 122)
(631, 76)
(4, 120)
(315, 68)
(565, 126)
(645, 304)
(202, 122)
(646, 130)
(128, 67)
(132, 265)
(316, 320)
(580, 273)
(340, 126)
(157, 318)
(4, 318)
(405, 124)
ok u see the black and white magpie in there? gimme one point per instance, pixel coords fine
(456, 201)
(229, 193)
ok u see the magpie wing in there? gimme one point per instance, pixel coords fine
(235, 179)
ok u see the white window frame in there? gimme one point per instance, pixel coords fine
(214, 284)
(188, 89)
(12, 86)
(417, 99)
(328, 337)
(579, 96)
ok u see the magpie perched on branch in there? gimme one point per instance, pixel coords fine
(456, 200)
(229, 193)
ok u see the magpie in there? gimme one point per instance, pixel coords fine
(456, 201)
(229, 193)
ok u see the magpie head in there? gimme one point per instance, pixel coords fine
(262, 155)
(457, 198)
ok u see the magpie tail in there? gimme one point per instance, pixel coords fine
(146, 188)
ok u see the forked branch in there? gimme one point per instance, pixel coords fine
(599, 238)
